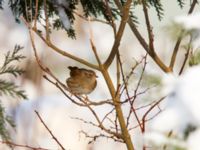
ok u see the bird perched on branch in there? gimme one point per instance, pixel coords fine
(81, 81)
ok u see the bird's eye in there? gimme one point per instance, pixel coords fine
(89, 75)
(86, 74)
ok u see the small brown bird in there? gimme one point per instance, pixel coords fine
(81, 81)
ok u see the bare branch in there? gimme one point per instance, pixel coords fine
(94, 138)
(91, 19)
(115, 48)
(112, 23)
(140, 79)
(176, 47)
(104, 118)
(90, 103)
(126, 80)
(62, 52)
(22, 146)
(66, 54)
(175, 51)
(149, 110)
(94, 47)
(55, 139)
(117, 135)
(149, 29)
(193, 4)
(144, 44)
(186, 56)
(46, 21)
(36, 14)
(135, 95)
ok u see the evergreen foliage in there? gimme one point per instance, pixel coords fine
(9, 58)
(194, 58)
(158, 7)
(4, 119)
(8, 88)
(101, 9)
(181, 3)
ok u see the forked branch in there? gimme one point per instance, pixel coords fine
(115, 48)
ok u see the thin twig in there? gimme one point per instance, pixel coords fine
(147, 105)
(135, 93)
(138, 94)
(116, 123)
(66, 54)
(175, 51)
(55, 139)
(91, 19)
(140, 79)
(129, 76)
(146, 120)
(94, 47)
(177, 45)
(58, 50)
(85, 122)
(45, 69)
(104, 118)
(149, 110)
(143, 43)
(36, 14)
(49, 43)
(128, 97)
(46, 21)
(149, 29)
(112, 23)
(94, 138)
(117, 135)
(186, 56)
(90, 103)
(118, 85)
(60, 88)
(22, 146)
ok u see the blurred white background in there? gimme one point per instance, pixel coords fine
(56, 109)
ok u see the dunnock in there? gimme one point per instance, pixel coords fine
(81, 81)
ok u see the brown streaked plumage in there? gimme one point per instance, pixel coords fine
(81, 81)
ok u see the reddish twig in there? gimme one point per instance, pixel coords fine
(135, 93)
(128, 95)
(140, 79)
(22, 146)
(148, 111)
(117, 135)
(104, 118)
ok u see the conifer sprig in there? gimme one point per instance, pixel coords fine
(11, 57)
